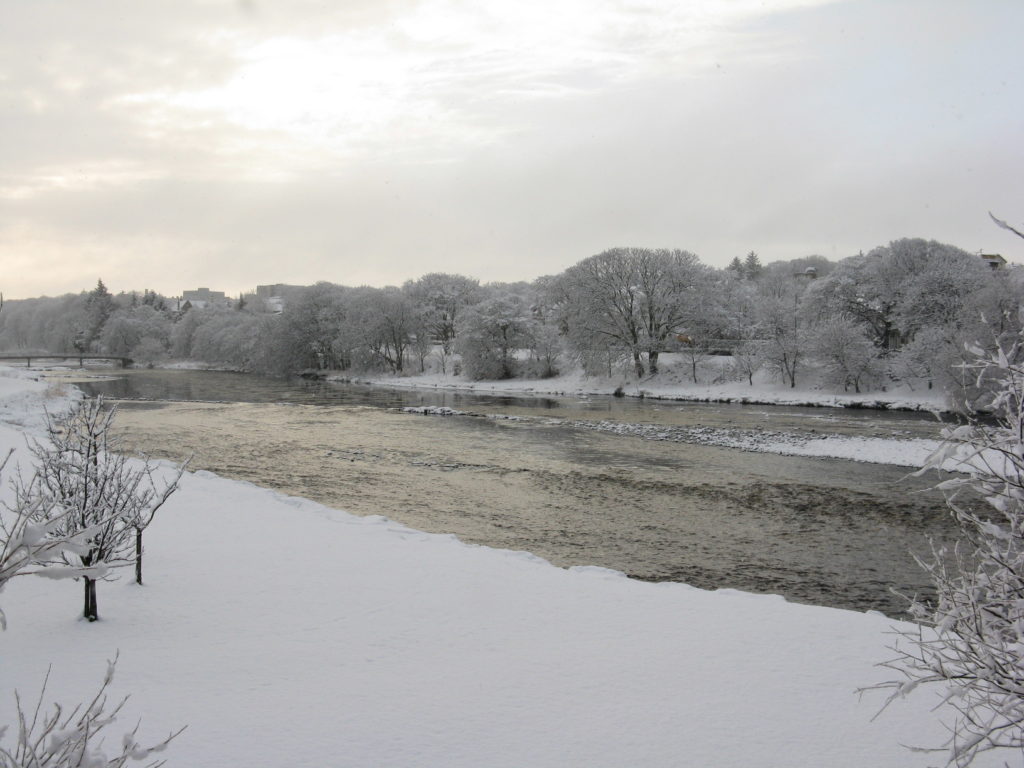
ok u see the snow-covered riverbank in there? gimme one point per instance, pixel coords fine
(285, 633)
(673, 385)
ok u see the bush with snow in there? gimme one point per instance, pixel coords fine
(84, 489)
(972, 638)
(59, 737)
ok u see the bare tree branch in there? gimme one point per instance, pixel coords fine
(969, 639)
(1004, 225)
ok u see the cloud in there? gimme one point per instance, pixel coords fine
(229, 144)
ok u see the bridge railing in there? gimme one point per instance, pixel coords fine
(81, 358)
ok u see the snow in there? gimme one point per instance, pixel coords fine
(285, 633)
(24, 394)
(673, 384)
(434, 410)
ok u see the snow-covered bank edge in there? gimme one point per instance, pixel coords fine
(665, 386)
(26, 396)
(654, 389)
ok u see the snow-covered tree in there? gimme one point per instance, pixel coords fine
(632, 300)
(241, 339)
(74, 737)
(940, 293)
(971, 642)
(490, 334)
(934, 357)
(752, 267)
(897, 289)
(82, 486)
(62, 737)
(138, 329)
(379, 328)
(734, 303)
(784, 338)
(545, 345)
(29, 543)
(442, 299)
(309, 329)
(846, 355)
(747, 360)
(100, 306)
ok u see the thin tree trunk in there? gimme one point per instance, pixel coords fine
(90, 611)
(138, 555)
(638, 364)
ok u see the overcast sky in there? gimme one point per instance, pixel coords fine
(171, 144)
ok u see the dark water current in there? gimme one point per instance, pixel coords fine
(534, 476)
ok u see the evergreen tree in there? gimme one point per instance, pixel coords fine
(752, 266)
(99, 307)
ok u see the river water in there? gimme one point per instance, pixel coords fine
(538, 474)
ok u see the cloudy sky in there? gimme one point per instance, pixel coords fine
(171, 144)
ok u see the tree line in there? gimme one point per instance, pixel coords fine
(902, 312)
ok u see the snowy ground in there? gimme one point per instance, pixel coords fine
(284, 633)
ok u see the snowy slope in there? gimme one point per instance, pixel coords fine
(288, 634)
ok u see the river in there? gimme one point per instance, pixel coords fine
(537, 474)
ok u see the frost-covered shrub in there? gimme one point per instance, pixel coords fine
(491, 333)
(83, 489)
(149, 351)
(545, 351)
(927, 359)
(971, 641)
(746, 361)
(61, 738)
(846, 355)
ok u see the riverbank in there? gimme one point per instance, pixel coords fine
(283, 632)
(670, 386)
(673, 384)
(761, 430)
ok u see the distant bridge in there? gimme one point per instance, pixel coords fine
(124, 361)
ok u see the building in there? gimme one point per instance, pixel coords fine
(274, 296)
(202, 294)
(994, 260)
(202, 297)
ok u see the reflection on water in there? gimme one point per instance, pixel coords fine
(821, 531)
